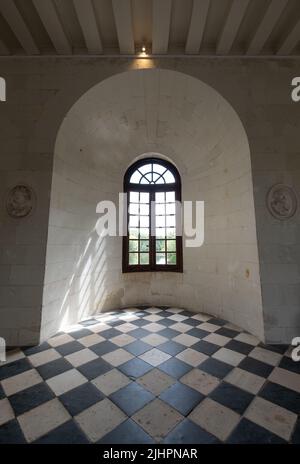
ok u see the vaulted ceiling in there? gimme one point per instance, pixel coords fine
(164, 27)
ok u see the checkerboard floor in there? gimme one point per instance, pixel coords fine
(150, 375)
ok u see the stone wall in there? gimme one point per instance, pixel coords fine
(39, 94)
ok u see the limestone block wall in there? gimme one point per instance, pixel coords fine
(40, 93)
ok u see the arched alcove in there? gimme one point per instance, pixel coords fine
(177, 117)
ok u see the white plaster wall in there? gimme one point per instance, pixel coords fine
(180, 117)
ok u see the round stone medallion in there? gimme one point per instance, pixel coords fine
(282, 201)
(20, 201)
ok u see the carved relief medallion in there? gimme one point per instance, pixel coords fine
(20, 201)
(282, 201)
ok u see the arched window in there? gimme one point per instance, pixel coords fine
(153, 241)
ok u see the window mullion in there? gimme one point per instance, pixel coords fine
(152, 227)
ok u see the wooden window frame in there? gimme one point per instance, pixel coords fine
(152, 189)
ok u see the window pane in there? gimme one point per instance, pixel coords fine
(133, 221)
(160, 245)
(159, 168)
(171, 233)
(169, 178)
(144, 233)
(144, 221)
(144, 197)
(144, 258)
(160, 197)
(133, 233)
(171, 245)
(160, 258)
(144, 209)
(171, 258)
(160, 221)
(134, 197)
(133, 258)
(146, 168)
(144, 245)
(170, 208)
(170, 197)
(160, 233)
(135, 178)
(159, 208)
(170, 220)
(133, 208)
(144, 180)
(133, 245)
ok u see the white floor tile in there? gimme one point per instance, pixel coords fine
(100, 419)
(81, 357)
(66, 381)
(41, 420)
(155, 357)
(200, 381)
(111, 382)
(192, 357)
(19, 382)
(228, 356)
(272, 417)
(215, 418)
(245, 380)
(117, 357)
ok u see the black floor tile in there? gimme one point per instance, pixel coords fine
(53, 368)
(256, 367)
(199, 333)
(94, 368)
(216, 368)
(80, 333)
(167, 322)
(110, 333)
(290, 365)
(182, 398)
(69, 348)
(175, 368)
(206, 347)
(36, 349)
(226, 332)
(139, 333)
(249, 433)
(233, 397)
(282, 396)
(140, 322)
(131, 398)
(169, 333)
(81, 398)
(172, 348)
(11, 433)
(30, 398)
(127, 433)
(103, 347)
(138, 347)
(2, 394)
(68, 434)
(14, 368)
(135, 368)
(189, 433)
(240, 347)
(192, 322)
(281, 349)
(217, 321)
(296, 434)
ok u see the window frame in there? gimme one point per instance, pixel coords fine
(152, 189)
